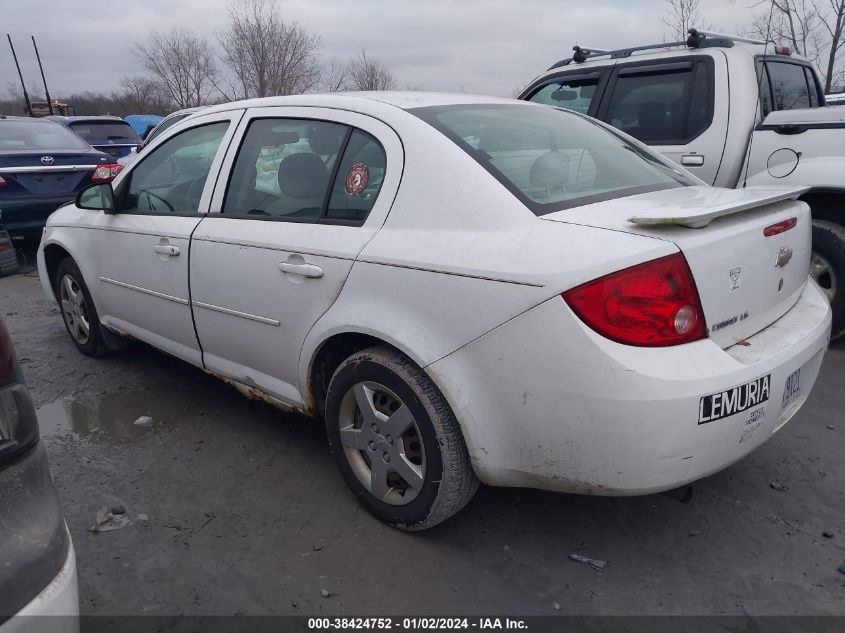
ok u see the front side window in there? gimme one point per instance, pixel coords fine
(164, 125)
(789, 85)
(551, 159)
(662, 105)
(572, 93)
(305, 170)
(171, 178)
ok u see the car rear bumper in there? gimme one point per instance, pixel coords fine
(545, 402)
(55, 609)
(38, 570)
(29, 215)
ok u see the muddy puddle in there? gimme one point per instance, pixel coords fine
(116, 416)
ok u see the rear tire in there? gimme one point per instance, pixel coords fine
(402, 452)
(827, 268)
(77, 309)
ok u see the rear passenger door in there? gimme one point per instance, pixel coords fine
(301, 192)
(669, 105)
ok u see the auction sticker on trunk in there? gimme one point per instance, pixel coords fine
(735, 400)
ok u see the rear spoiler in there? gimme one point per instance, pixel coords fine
(699, 218)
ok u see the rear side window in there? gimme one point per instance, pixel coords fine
(669, 104)
(104, 131)
(358, 180)
(305, 170)
(789, 85)
(551, 159)
(573, 93)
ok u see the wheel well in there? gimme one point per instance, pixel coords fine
(328, 358)
(53, 255)
(826, 205)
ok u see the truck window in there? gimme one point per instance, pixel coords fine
(811, 82)
(765, 90)
(789, 85)
(573, 93)
(670, 104)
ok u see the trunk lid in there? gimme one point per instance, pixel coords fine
(746, 280)
(46, 173)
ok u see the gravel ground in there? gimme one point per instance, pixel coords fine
(236, 508)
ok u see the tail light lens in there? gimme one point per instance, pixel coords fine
(654, 304)
(105, 173)
(18, 424)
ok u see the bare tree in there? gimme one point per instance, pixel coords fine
(141, 95)
(681, 16)
(336, 76)
(182, 63)
(266, 55)
(366, 73)
(793, 21)
(833, 22)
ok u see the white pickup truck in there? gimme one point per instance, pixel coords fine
(733, 111)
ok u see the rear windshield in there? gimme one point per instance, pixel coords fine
(37, 135)
(552, 159)
(104, 130)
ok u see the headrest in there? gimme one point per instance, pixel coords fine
(325, 138)
(303, 176)
(550, 170)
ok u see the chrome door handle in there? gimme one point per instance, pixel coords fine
(306, 270)
(692, 160)
(166, 249)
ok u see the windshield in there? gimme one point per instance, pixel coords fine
(37, 135)
(104, 130)
(552, 159)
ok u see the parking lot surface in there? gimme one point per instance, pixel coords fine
(235, 507)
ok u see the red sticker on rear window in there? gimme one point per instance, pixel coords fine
(356, 179)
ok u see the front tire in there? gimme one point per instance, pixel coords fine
(396, 441)
(77, 309)
(827, 268)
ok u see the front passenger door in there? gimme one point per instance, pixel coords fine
(142, 248)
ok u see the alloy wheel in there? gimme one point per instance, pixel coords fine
(74, 309)
(823, 274)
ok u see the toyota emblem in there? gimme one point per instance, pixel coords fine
(47, 160)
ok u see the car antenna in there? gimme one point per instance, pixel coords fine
(18, 66)
(41, 68)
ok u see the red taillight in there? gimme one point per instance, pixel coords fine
(780, 227)
(654, 304)
(783, 50)
(104, 173)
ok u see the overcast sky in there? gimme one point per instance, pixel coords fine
(478, 46)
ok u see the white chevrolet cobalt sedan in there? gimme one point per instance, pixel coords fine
(464, 288)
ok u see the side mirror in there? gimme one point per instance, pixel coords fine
(97, 196)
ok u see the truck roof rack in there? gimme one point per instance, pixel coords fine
(697, 39)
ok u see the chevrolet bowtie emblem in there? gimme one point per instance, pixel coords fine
(784, 255)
